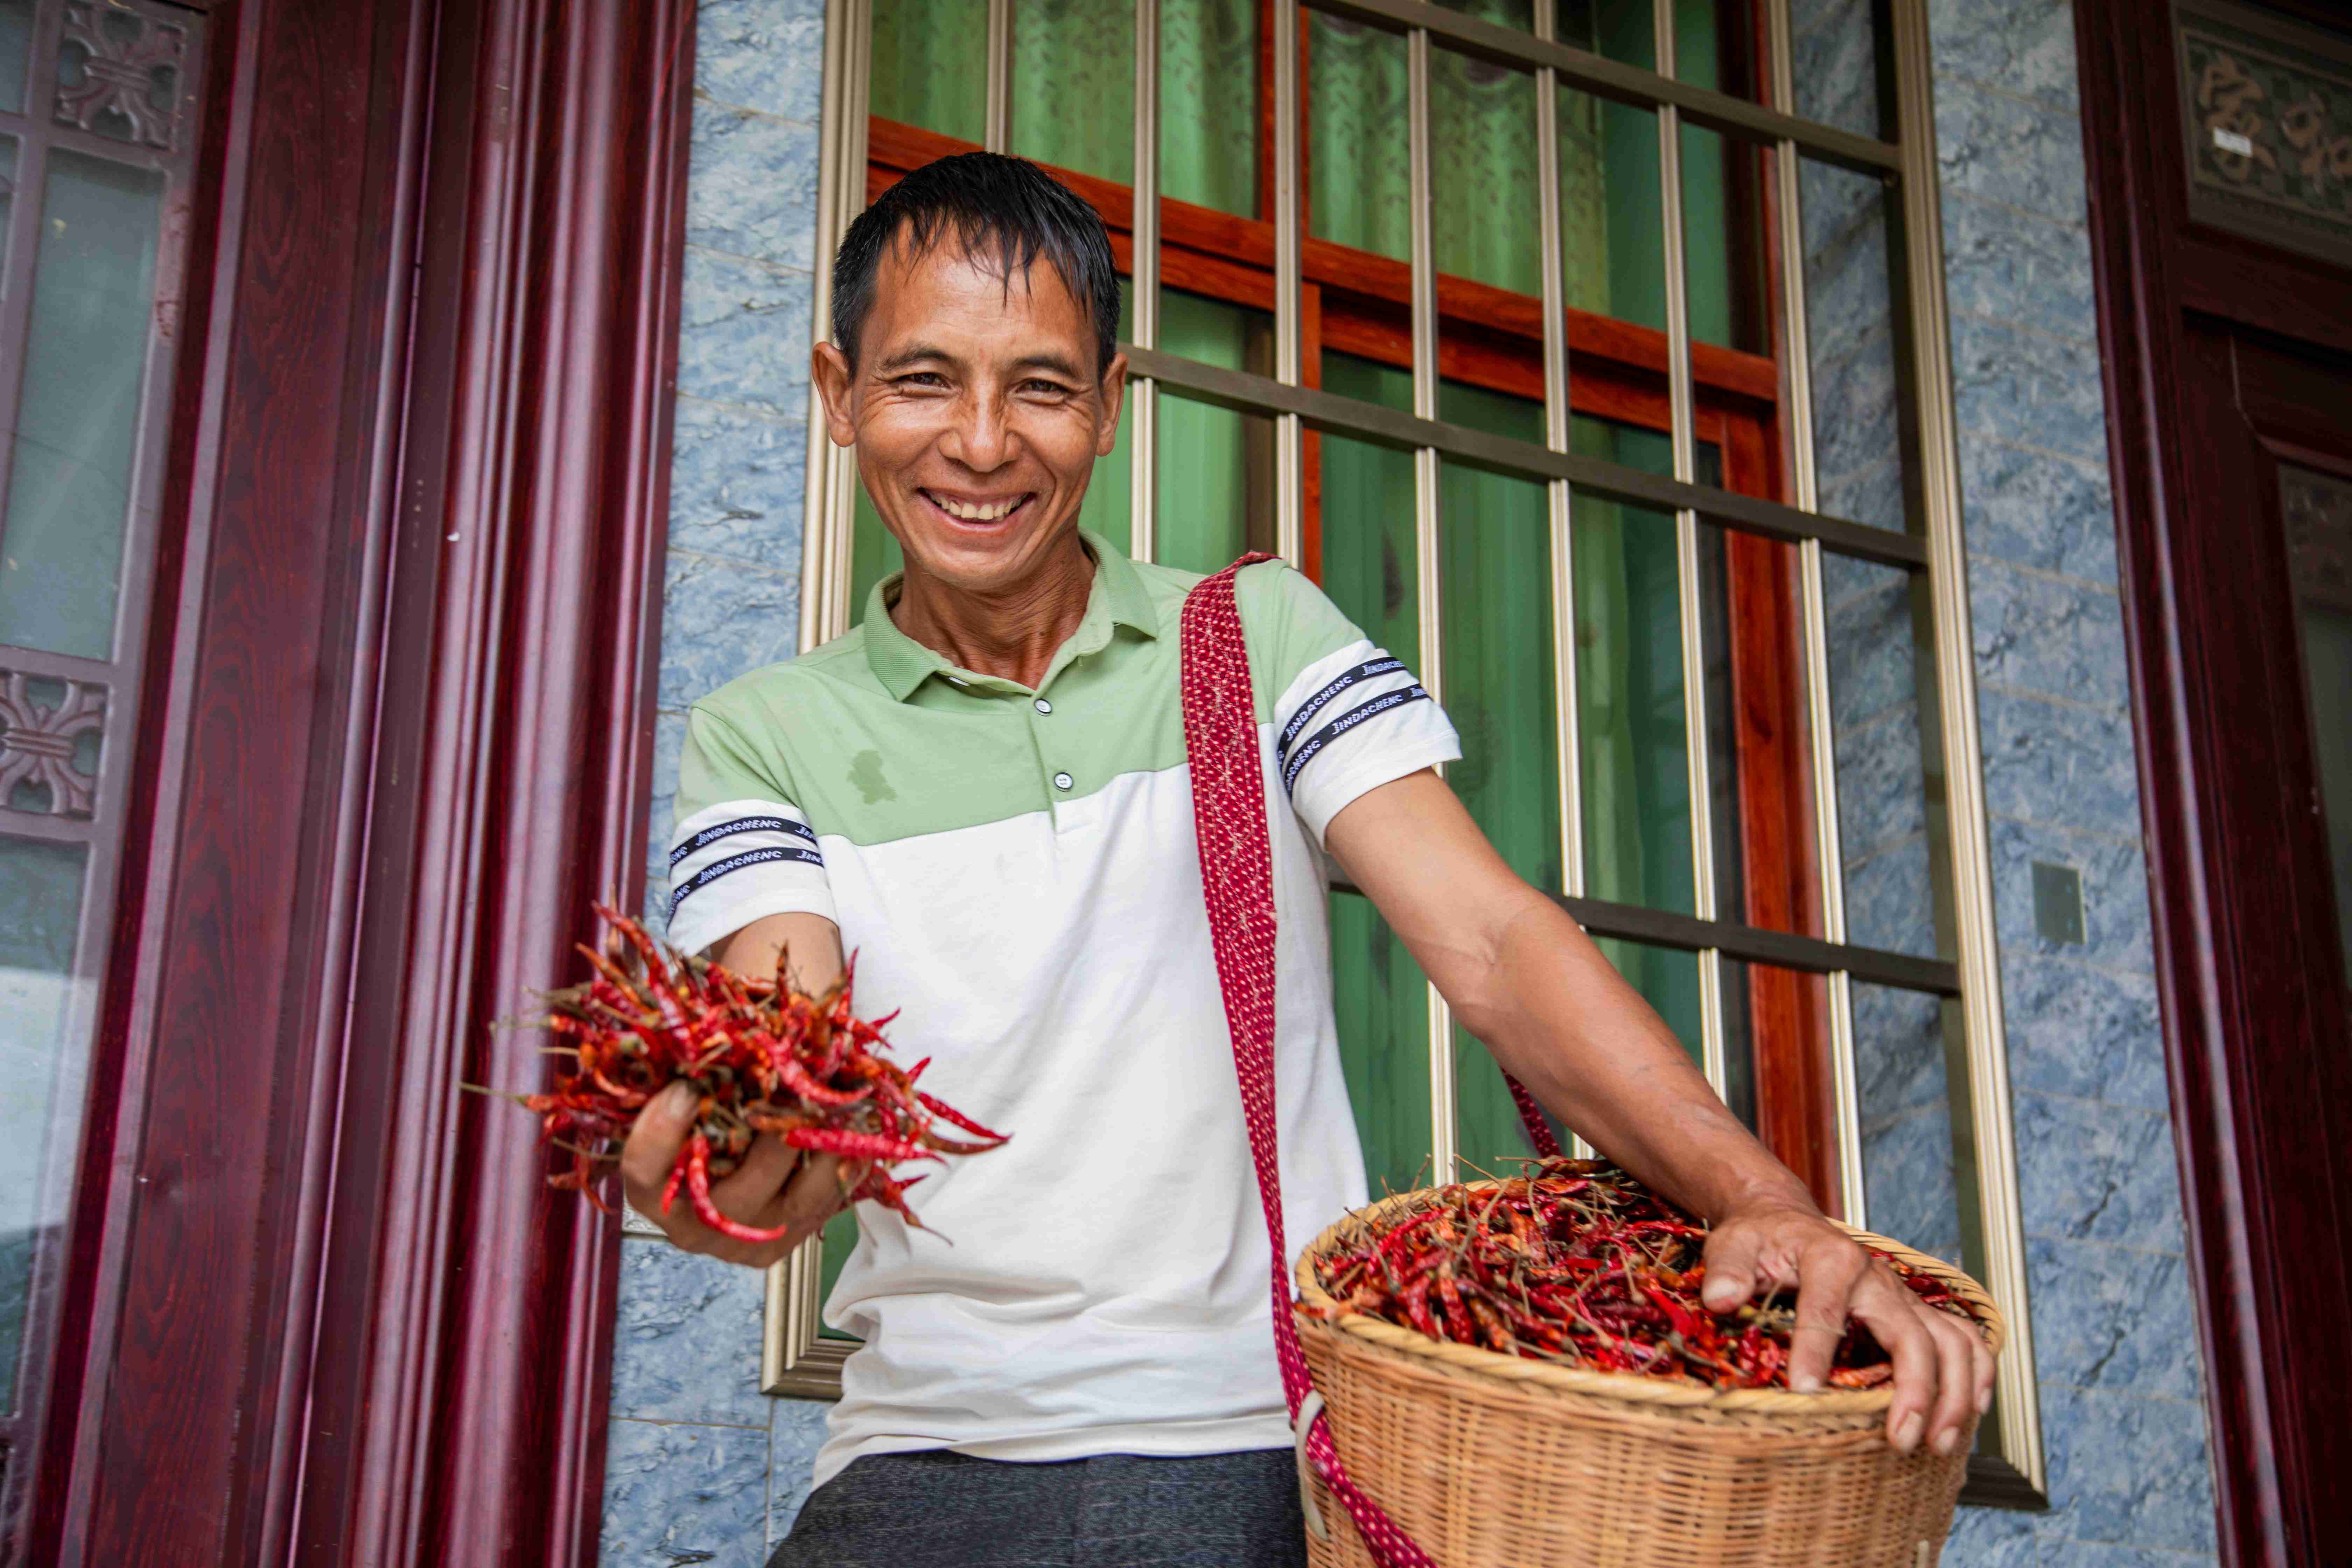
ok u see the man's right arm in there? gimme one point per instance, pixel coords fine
(775, 1185)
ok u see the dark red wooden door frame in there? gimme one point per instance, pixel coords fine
(2216, 347)
(324, 1306)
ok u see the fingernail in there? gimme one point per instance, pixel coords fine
(1947, 1440)
(677, 1099)
(1806, 1385)
(1906, 1436)
(1984, 1399)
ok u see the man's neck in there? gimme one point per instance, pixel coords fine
(1013, 635)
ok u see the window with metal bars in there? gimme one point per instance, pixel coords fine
(1589, 354)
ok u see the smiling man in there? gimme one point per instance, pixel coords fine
(982, 791)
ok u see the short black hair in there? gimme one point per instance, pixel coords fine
(991, 206)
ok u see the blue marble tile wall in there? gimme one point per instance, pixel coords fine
(704, 1468)
(701, 1466)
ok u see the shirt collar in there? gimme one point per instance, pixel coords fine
(1117, 598)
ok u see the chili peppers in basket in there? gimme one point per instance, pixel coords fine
(763, 1056)
(1576, 1262)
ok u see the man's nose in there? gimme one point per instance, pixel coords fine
(981, 437)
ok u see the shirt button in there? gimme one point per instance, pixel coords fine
(1044, 706)
(1063, 781)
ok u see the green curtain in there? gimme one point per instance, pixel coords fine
(1073, 85)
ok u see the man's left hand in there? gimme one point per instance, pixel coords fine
(1941, 1365)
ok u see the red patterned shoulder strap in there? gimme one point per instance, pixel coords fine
(1229, 795)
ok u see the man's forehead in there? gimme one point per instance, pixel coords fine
(951, 265)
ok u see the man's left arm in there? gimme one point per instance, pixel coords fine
(1522, 976)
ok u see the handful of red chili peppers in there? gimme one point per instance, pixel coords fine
(1576, 1262)
(763, 1056)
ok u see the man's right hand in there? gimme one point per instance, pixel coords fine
(775, 1185)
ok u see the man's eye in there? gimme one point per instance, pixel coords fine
(922, 378)
(1044, 388)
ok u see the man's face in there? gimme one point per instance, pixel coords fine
(976, 413)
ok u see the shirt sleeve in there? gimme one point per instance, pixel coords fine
(1348, 717)
(743, 849)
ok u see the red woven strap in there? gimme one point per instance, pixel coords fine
(1229, 790)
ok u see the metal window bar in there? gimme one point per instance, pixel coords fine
(996, 130)
(1290, 458)
(1143, 282)
(1989, 1178)
(1444, 1098)
(1735, 117)
(1683, 417)
(1386, 426)
(1567, 756)
(1798, 413)
(831, 505)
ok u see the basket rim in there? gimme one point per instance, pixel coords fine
(1628, 1387)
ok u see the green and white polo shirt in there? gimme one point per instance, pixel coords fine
(1016, 872)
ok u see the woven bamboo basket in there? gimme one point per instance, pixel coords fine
(1495, 1461)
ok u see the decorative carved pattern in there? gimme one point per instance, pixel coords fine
(2270, 129)
(2318, 534)
(119, 73)
(36, 742)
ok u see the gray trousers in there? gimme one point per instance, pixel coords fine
(939, 1509)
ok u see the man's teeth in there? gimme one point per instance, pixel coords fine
(989, 512)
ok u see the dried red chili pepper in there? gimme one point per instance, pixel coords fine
(762, 1055)
(1577, 1262)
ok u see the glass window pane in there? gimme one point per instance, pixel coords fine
(1381, 1002)
(1208, 95)
(1359, 177)
(1073, 100)
(1882, 780)
(1722, 260)
(1910, 1184)
(1708, 54)
(1859, 457)
(1484, 172)
(840, 1241)
(2319, 509)
(1371, 550)
(1612, 239)
(1634, 747)
(15, 52)
(929, 66)
(1495, 573)
(874, 554)
(1216, 467)
(43, 1059)
(1616, 29)
(1350, 375)
(78, 417)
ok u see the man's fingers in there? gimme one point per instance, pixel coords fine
(1890, 1313)
(817, 1192)
(652, 1151)
(1730, 1268)
(1955, 1369)
(1825, 1278)
(748, 1191)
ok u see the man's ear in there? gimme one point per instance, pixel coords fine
(1114, 395)
(830, 372)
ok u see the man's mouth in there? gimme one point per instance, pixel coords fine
(978, 509)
